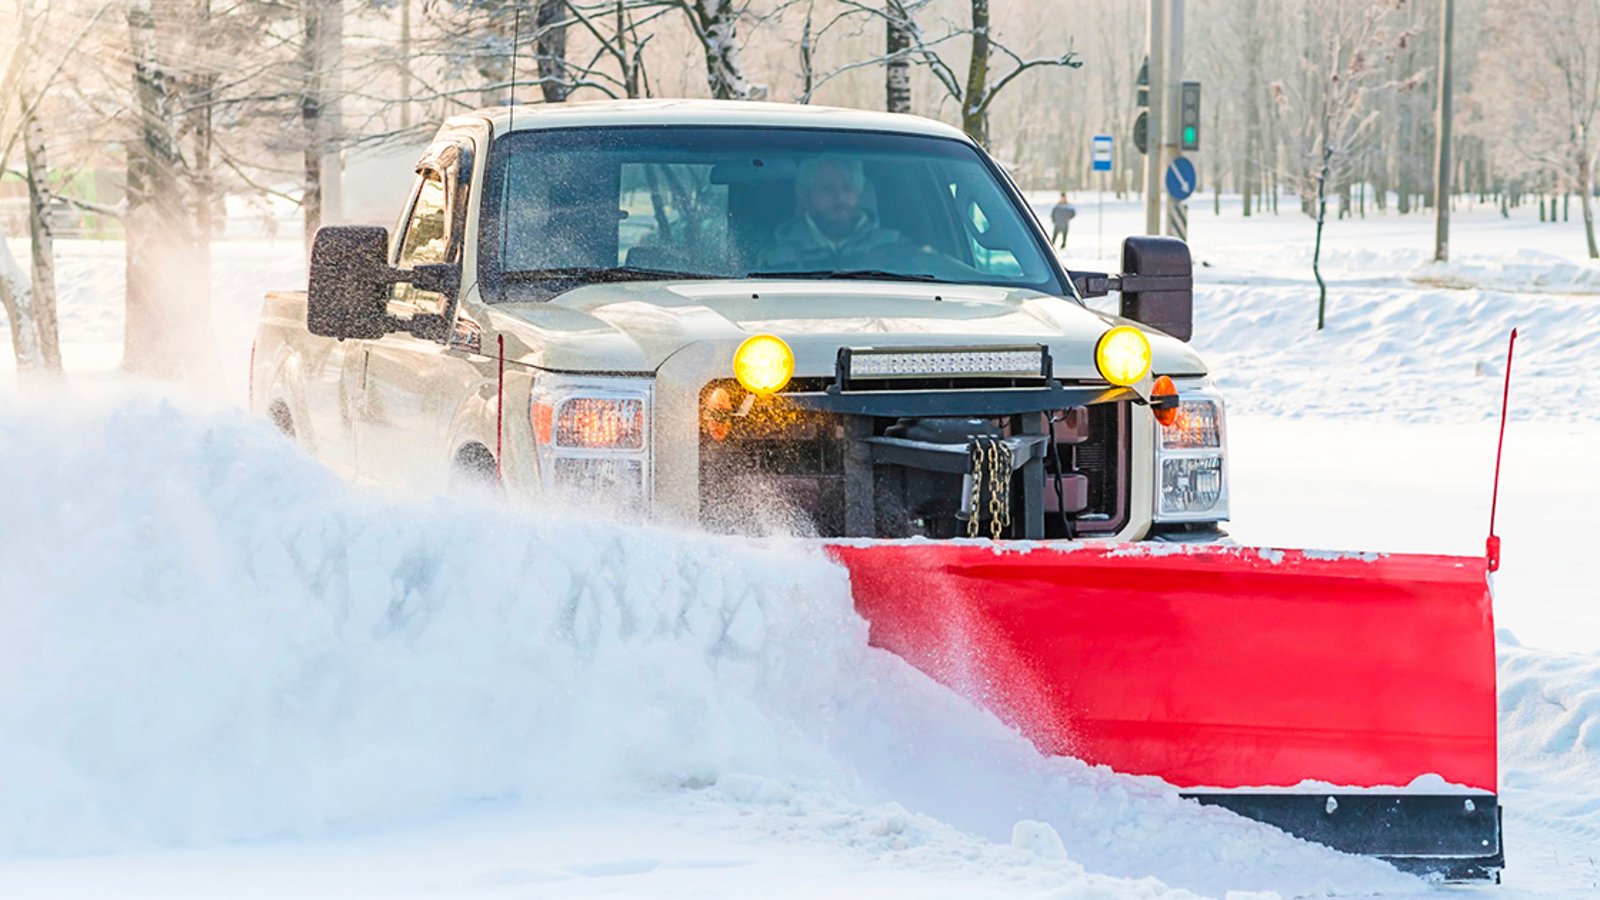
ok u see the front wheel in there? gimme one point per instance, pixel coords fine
(475, 468)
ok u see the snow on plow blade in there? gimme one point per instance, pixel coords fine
(1236, 674)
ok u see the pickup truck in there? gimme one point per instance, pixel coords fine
(748, 317)
(755, 318)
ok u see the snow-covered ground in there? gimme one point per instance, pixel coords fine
(224, 672)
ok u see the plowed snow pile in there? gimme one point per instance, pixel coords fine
(205, 636)
(1550, 743)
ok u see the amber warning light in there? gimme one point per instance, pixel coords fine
(1164, 401)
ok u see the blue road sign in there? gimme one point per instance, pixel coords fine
(1180, 179)
(1100, 155)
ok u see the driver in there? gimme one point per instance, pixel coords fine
(830, 225)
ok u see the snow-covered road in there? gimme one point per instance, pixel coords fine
(223, 672)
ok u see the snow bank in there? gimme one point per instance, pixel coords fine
(1550, 757)
(1399, 354)
(205, 636)
(1525, 271)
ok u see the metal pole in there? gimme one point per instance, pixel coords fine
(1154, 159)
(1177, 210)
(1441, 173)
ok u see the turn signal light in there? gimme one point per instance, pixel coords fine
(1123, 355)
(763, 364)
(716, 413)
(1164, 401)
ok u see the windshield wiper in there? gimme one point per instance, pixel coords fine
(606, 274)
(850, 275)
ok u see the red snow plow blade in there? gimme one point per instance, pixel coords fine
(1234, 673)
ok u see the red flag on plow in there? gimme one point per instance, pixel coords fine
(1237, 674)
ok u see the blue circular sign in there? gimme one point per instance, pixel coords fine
(1181, 179)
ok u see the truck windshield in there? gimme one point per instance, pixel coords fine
(565, 207)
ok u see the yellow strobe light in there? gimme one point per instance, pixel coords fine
(1123, 355)
(763, 364)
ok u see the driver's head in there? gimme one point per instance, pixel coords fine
(829, 191)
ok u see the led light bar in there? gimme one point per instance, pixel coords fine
(945, 362)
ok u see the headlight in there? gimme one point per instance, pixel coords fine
(1191, 465)
(592, 438)
(1123, 355)
(591, 423)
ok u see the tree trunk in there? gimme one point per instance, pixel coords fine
(311, 119)
(1586, 184)
(16, 296)
(1403, 188)
(203, 196)
(166, 309)
(808, 67)
(41, 232)
(716, 23)
(498, 45)
(1254, 41)
(974, 100)
(320, 119)
(1316, 252)
(634, 79)
(405, 63)
(897, 46)
(552, 50)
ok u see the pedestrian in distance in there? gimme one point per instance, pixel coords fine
(1061, 216)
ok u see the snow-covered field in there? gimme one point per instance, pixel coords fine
(223, 672)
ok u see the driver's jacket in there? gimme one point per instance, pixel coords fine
(798, 245)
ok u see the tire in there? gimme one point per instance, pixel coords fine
(475, 467)
(279, 413)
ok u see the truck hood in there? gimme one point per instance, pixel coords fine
(635, 327)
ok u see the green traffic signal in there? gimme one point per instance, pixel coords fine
(1188, 134)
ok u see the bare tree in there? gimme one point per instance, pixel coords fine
(41, 233)
(908, 43)
(615, 27)
(716, 26)
(551, 47)
(977, 92)
(1329, 112)
(1539, 87)
(897, 56)
(321, 57)
(30, 72)
(168, 322)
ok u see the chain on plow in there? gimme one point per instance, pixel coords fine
(991, 467)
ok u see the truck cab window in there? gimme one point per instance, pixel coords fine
(571, 206)
(426, 241)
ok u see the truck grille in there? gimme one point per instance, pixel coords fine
(782, 469)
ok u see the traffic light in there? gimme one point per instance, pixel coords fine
(1189, 116)
(1141, 95)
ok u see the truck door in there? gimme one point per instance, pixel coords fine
(330, 373)
(413, 385)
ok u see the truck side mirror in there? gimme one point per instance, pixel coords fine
(1093, 284)
(348, 295)
(1158, 284)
